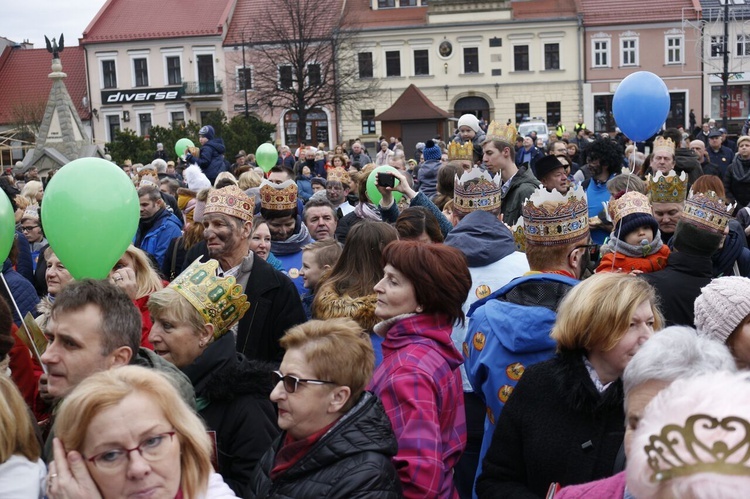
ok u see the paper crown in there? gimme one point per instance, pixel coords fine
(219, 300)
(149, 179)
(31, 211)
(519, 236)
(552, 219)
(503, 132)
(707, 211)
(278, 197)
(338, 174)
(232, 201)
(463, 152)
(663, 145)
(704, 444)
(667, 189)
(629, 203)
(476, 190)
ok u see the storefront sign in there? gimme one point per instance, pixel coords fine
(139, 95)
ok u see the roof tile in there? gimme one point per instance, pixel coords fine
(412, 105)
(605, 12)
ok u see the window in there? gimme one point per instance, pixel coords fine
(718, 46)
(285, 76)
(244, 78)
(553, 113)
(522, 111)
(629, 51)
(386, 4)
(674, 49)
(174, 74)
(140, 69)
(109, 75)
(551, 56)
(368, 121)
(520, 58)
(365, 64)
(144, 121)
(496, 42)
(177, 118)
(393, 63)
(113, 126)
(313, 75)
(743, 45)
(471, 60)
(421, 62)
(408, 3)
(601, 54)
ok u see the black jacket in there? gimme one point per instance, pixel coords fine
(555, 427)
(233, 399)
(352, 460)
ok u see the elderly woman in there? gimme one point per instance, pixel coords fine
(56, 277)
(564, 420)
(190, 330)
(419, 382)
(126, 432)
(337, 441)
(383, 155)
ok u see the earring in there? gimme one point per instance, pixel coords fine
(419, 310)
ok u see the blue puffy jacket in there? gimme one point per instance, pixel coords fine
(212, 160)
(156, 241)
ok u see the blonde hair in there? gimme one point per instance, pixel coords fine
(597, 312)
(225, 175)
(146, 277)
(168, 303)
(18, 429)
(30, 190)
(248, 180)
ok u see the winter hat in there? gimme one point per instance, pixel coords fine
(470, 121)
(722, 306)
(207, 131)
(431, 151)
(547, 165)
(631, 222)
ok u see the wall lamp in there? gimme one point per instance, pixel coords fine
(126, 116)
(445, 66)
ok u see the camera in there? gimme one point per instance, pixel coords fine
(386, 180)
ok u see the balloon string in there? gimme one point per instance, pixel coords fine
(28, 333)
(627, 188)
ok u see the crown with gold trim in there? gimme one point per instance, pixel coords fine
(338, 174)
(667, 189)
(278, 197)
(476, 190)
(707, 211)
(219, 300)
(519, 236)
(704, 444)
(507, 133)
(663, 145)
(463, 152)
(552, 219)
(629, 203)
(31, 211)
(232, 201)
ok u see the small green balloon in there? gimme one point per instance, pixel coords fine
(90, 216)
(181, 146)
(372, 190)
(266, 156)
(7, 227)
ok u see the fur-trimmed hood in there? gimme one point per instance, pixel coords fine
(328, 305)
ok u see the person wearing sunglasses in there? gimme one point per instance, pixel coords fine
(337, 440)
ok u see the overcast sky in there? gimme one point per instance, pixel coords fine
(32, 19)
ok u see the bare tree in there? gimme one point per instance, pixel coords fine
(27, 116)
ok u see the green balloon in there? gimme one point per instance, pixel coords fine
(372, 190)
(180, 147)
(90, 216)
(266, 156)
(7, 227)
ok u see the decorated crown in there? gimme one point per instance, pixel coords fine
(476, 190)
(627, 204)
(278, 197)
(551, 218)
(663, 145)
(31, 211)
(338, 175)
(519, 236)
(503, 132)
(458, 151)
(232, 201)
(219, 300)
(707, 211)
(704, 444)
(667, 189)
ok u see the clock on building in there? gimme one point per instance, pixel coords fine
(445, 48)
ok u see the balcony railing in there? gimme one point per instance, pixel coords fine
(210, 87)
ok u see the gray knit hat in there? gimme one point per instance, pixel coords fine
(722, 306)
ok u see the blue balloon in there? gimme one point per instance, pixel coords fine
(641, 105)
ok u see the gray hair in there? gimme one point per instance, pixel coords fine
(160, 165)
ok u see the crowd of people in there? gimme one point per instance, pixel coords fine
(491, 317)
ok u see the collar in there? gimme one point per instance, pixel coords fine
(600, 387)
(694, 265)
(556, 272)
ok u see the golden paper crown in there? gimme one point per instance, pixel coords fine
(667, 189)
(476, 190)
(629, 203)
(663, 145)
(219, 300)
(503, 132)
(338, 175)
(707, 211)
(519, 236)
(552, 219)
(458, 151)
(232, 201)
(278, 197)
(704, 444)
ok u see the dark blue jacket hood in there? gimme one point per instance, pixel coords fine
(482, 238)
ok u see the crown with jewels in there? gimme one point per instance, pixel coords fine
(232, 201)
(627, 204)
(507, 133)
(704, 444)
(219, 300)
(278, 197)
(519, 236)
(338, 175)
(667, 189)
(464, 152)
(707, 211)
(476, 190)
(663, 145)
(552, 219)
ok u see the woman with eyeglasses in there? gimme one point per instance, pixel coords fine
(126, 432)
(337, 441)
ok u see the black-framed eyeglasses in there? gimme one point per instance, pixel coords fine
(291, 382)
(28, 228)
(151, 449)
(593, 250)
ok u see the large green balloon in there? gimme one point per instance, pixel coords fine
(372, 190)
(7, 227)
(90, 215)
(266, 156)
(180, 147)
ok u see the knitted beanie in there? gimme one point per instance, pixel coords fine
(634, 221)
(470, 121)
(207, 131)
(694, 240)
(722, 306)
(431, 151)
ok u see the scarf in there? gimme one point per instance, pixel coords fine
(294, 244)
(632, 250)
(293, 450)
(368, 211)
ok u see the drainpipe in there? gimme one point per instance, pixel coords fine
(88, 90)
(581, 63)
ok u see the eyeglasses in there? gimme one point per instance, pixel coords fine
(291, 382)
(151, 449)
(593, 250)
(28, 228)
